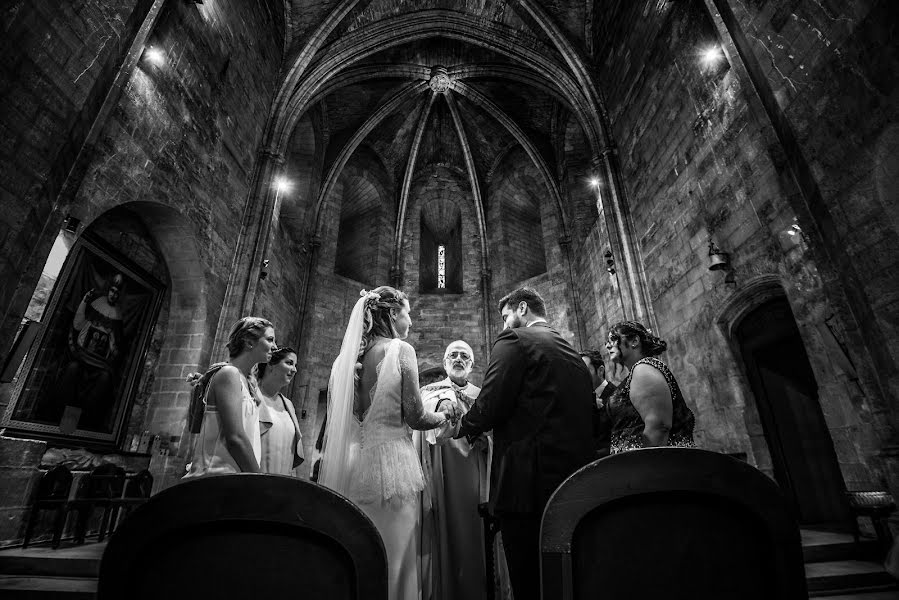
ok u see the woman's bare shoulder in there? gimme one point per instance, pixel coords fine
(648, 374)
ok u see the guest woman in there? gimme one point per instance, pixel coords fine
(229, 440)
(282, 442)
(648, 408)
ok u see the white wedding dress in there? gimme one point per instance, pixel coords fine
(386, 476)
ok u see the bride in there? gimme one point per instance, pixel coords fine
(368, 454)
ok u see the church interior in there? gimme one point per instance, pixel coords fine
(725, 172)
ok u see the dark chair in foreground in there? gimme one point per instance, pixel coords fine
(245, 536)
(137, 491)
(52, 494)
(670, 523)
(99, 489)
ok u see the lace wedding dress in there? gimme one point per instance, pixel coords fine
(387, 477)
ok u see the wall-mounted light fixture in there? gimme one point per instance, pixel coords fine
(71, 224)
(610, 262)
(154, 55)
(711, 55)
(264, 272)
(282, 184)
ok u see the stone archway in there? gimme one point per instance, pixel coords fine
(786, 416)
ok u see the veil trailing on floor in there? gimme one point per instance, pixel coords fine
(342, 433)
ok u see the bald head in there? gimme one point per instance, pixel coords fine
(458, 361)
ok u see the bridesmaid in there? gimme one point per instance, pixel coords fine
(229, 440)
(282, 442)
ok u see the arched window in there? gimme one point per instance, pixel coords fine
(440, 260)
(441, 267)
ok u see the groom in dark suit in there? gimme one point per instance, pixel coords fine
(602, 391)
(537, 398)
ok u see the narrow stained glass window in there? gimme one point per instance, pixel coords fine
(441, 267)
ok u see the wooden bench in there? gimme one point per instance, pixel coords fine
(877, 506)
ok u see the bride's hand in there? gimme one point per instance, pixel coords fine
(451, 411)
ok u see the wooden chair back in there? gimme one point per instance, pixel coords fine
(245, 536)
(670, 523)
(140, 485)
(55, 484)
(104, 482)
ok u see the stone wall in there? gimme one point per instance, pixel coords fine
(178, 150)
(59, 62)
(699, 165)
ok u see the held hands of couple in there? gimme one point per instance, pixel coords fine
(450, 410)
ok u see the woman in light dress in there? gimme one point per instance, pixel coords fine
(282, 442)
(229, 440)
(368, 454)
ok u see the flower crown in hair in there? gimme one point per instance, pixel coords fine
(371, 298)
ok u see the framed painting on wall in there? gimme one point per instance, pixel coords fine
(81, 372)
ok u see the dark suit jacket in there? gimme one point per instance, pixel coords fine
(537, 398)
(602, 422)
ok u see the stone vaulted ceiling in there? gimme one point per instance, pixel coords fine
(438, 82)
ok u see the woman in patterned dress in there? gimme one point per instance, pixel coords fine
(648, 408)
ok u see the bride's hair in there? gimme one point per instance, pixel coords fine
(377, 320)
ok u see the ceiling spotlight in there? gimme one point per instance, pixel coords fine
(711, 55)
(154, 55)
(594, 182)
(282, 184)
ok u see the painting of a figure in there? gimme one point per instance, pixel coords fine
(79, 376)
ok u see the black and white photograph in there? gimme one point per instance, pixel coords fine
(449, 299)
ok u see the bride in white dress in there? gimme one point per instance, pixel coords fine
(373, 405)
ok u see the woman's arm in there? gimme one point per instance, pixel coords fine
(227, 391)
(652, 399)
(413, 411)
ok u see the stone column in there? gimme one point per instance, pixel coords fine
(251, 245)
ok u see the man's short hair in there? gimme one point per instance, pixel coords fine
(524, 294)
(595, 357)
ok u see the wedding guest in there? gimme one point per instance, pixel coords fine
(282, 442)
(229, 439)
(602, 391)
(648, 408)
(537, 397)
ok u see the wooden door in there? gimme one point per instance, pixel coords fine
(782, 381)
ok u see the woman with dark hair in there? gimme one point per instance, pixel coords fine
(373, 401)
(229, 439)
(282, 442)
(648, 409)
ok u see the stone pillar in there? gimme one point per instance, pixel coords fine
(251, 245)
(486, 274)
(633, 292)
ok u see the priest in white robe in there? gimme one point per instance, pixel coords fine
(457, 480)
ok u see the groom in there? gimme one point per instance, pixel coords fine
(537, 398)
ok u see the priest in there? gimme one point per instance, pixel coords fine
(457, 482)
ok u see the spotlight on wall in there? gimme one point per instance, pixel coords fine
(264, 272)
(711, 55)
(718, 260)
(154, 55)
(594, 182)
(282, 184)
